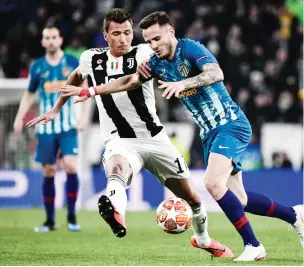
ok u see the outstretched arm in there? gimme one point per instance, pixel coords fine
(75, 79)
(126, 83)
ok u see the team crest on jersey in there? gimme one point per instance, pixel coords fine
(130, 62)
(66, 71)
(183, 69)
(44, 74)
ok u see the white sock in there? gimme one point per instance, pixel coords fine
(200, 225)
(116, 191)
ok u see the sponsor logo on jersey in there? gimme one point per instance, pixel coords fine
(53, 86)
(99, 62)
(189, 92)
(99, 67)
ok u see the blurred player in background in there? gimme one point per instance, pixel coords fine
(135, 138)
(47, 75)
(190, 72)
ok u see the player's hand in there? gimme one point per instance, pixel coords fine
(70, 90)
(171, 88)
(144, 69)
(18, 126)
(43, 118)
(81, 99)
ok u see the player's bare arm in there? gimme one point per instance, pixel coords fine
(126, 83)
(74, 78)
(25, 104)
(211, 73)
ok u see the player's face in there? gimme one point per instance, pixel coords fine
(119, 37)
(160, 39)
(51, 40)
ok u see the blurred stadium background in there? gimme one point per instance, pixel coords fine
(259, 47)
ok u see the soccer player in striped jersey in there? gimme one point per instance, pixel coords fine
(47, 75)
(190, 72)
(135, 137)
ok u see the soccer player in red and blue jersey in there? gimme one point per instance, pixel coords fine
(47, 75)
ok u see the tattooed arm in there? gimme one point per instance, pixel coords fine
(212, 73)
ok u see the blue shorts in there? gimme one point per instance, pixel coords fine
(229, 140)
(48, 146)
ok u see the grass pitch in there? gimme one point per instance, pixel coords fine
(144, 244)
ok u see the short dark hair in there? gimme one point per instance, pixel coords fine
(158, 17)
(118, 15)
(52, 24)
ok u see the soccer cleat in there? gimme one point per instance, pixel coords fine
(46, 227)
(215, 248)
(111, 216)
(299, 224)
(251, 253)
(73, 226)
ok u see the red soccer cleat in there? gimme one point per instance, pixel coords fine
(108, 212)
(216, 248)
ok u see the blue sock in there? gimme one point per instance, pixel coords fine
(263, 205)
(48, 191)
(72, 192)
(234, 211)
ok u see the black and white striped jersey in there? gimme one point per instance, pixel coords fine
(129, 114)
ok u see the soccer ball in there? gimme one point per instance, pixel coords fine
(174, 215)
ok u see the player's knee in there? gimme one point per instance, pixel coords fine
(117, 169)
(49, 170)
(70, 166)
(215, 188)
(121, 169)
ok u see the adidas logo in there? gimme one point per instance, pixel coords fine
(99, 67)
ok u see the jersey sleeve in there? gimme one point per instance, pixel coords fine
(85, 64)
(74, 62)
(144, 53)
(198, 54)
(33, 78)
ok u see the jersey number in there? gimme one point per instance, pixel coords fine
(180, 170)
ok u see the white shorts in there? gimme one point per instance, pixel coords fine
(156, 154)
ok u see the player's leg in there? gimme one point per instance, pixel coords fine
(69, 150)
(120, 163)
(223, 148)
(46, 154)
(263, 205)
(216, 177)
(183, 188)
(166, 163)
